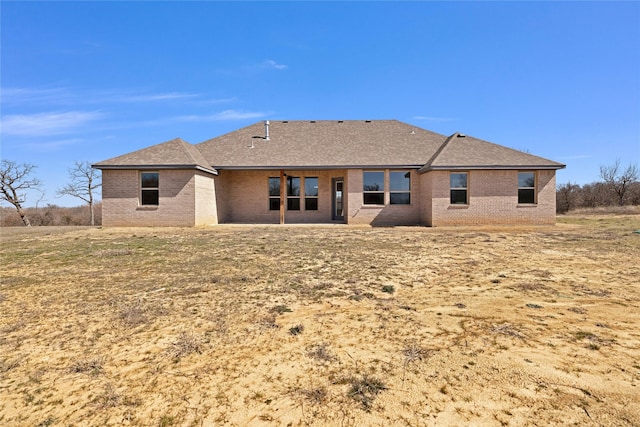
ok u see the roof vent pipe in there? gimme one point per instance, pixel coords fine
(266, 130)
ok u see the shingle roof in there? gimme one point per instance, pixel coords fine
(323, 143)
(331, 144)
(465, 152)
(175, 153)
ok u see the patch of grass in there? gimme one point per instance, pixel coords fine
(184, 345)
(364, 390)
(49, 421)
(280, 309)
(132, 315)
(359, 295)
(296, 330)
(268, 322)
(166, 421)
(317, 395)
(92, 366)
(413, 352)
(110, 398)
(320, 352)
(508, 330)
(113, 252)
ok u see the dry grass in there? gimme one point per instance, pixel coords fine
(268, 325)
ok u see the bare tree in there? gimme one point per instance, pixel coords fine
(619, 181)
(84, 181)
(15, 179)
(566, 197)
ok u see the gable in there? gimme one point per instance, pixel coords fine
(176, 154)
(465, 152)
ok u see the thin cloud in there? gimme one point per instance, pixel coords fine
(270, 63)
(66, 96)
(223, 116)
(35, 95)
(51, 123)
(435, 119)
(160, 97)
(217, 101)
(52, 145)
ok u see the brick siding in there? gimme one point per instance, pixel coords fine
(493, 199)
(190, 198)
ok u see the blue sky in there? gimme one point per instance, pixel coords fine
(94, 80)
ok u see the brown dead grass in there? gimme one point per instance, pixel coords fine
(484, 326)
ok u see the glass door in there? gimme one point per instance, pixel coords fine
(338, 199)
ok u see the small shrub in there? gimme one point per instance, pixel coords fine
(132, 314)
(185, 345)
(49, 421)
(166, 421)
(280, 309)
(268, 322)
(296, 330)
(89, 366)
(320, 352)
(315, 395)
(110, 398)
(389, 289)
(413, 352)
(365, 390)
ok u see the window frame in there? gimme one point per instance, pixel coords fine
(393, 191)
(458, 189)
(530, 191)
(293, 200)
(310, 200)
(366, 192)
(274, 200)
(145, 189)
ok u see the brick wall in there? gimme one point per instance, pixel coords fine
(387, 214)
(121, 199)
(246, 197)
(493, 199)
(206, 212)
(189, 197)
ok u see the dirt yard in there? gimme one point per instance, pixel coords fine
(333, 325)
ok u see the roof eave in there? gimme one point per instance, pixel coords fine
(154, 167)
(315, 167)
(491, 167)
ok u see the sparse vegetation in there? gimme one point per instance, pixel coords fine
(87, 366)
(184, 345)
(146, 326)
(296, 330)
(389, 289)
(364, 390)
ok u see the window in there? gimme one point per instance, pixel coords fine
(373, 188)
(526, 188)
(400, 188)
(458, 186)
(274, 194)
(293, 193)
(310, 193)
(149, 188)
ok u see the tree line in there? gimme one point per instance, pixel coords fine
(17, 179)
(618, 187)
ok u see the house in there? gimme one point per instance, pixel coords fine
(379, 172)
